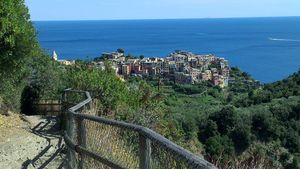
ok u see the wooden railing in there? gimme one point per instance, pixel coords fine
(97, 142)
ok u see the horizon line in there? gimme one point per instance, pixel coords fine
(168, 18)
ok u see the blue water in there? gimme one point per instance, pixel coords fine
(267, 48)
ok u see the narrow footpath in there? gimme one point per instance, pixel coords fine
(33, 142)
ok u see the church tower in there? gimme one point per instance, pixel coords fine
(54, 56)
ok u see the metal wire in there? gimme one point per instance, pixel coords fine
(116, 144)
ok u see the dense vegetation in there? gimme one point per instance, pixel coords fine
(17, 43)
(246, 124)
(240, 125)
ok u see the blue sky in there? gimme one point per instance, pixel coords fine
(158, 9)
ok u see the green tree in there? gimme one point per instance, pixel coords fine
(265, 126)
(104, 85)
(18, 45)
(219, 147)
(293, 141)
(210, 129)
(225, 119)
(241, 136)
(281, 111)
(17, 35)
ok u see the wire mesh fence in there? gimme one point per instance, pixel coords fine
(115, 144)
(164, 158)
(96, 142)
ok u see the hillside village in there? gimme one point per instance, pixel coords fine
(181, 66)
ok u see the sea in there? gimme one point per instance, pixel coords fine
(267, 48)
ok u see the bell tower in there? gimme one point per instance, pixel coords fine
(54, 56)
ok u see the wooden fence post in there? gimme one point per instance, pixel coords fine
(81, 136)
(71, 131)
(145, 152)
(63, 111)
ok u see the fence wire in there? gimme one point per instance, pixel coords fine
(116, 144)
(91, 163)
(164, 158)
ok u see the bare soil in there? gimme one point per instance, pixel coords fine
(30, 142)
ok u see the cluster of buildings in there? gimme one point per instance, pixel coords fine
(183, 67)
(180, 66)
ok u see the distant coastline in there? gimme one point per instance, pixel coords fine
(258, 17)
(243, 41)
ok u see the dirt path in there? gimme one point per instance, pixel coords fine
(34, 142)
